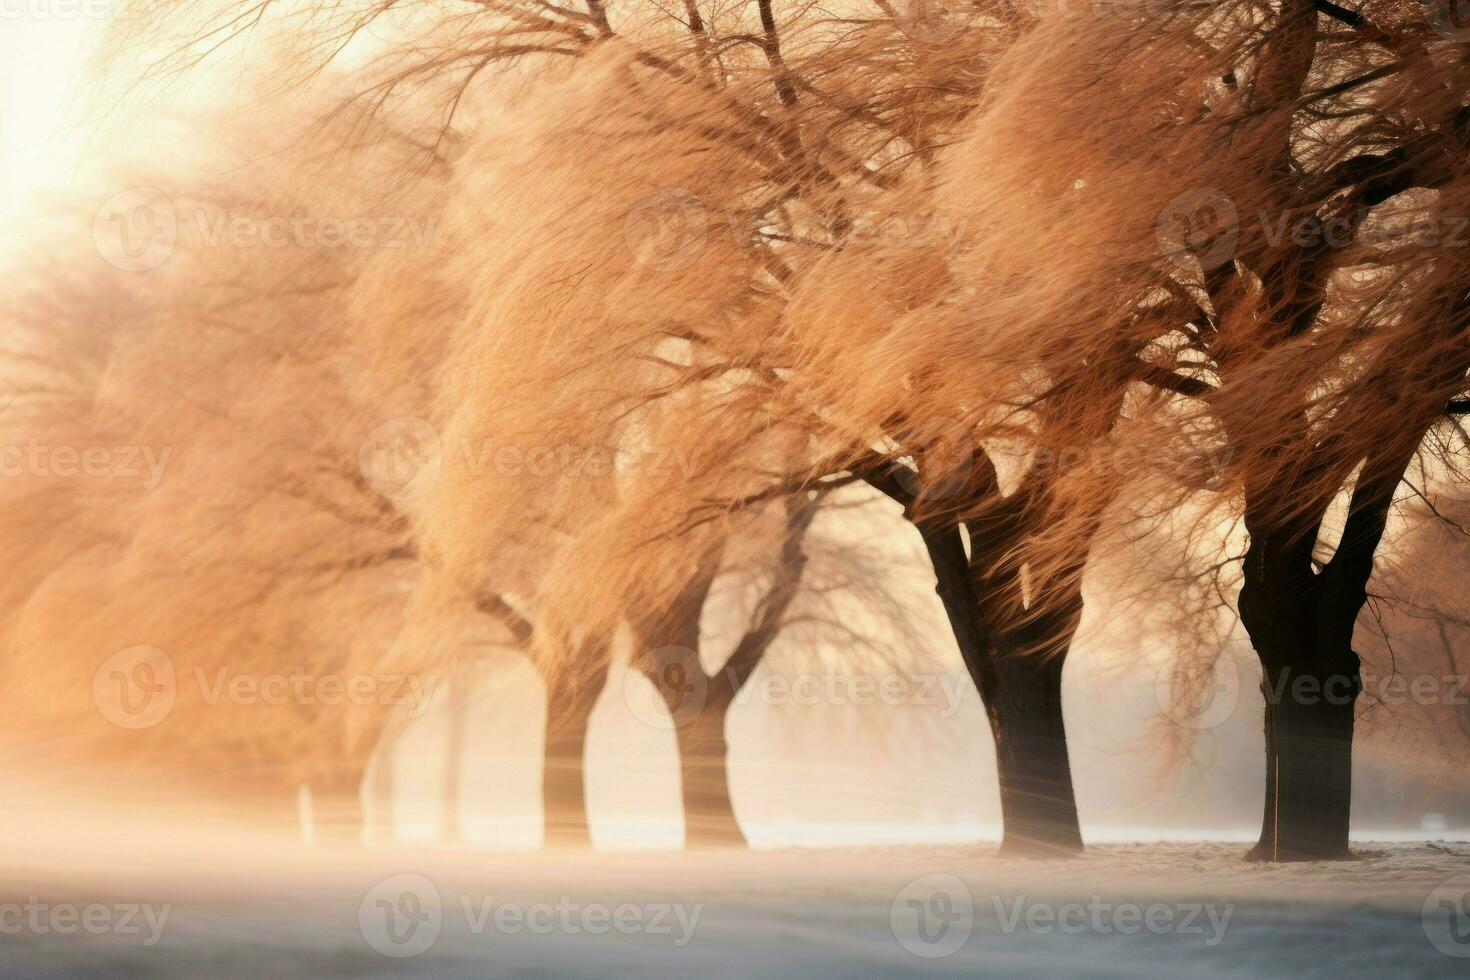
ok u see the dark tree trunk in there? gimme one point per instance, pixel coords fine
(1018, 674)
(709, 814)
(1309, 771)
(1038, 805)
(1300, 622)
(563, 784)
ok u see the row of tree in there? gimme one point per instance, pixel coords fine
(1175, 283)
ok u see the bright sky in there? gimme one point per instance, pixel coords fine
(42, 46)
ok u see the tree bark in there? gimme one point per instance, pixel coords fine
(709, 814)
(1309, 773)
(563, 783)
(1300, 622)
(1018, 674)
(698, 706)
(1037, 801)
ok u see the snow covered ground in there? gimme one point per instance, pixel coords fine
(141, 904)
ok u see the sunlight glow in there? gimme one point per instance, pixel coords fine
(40, 62)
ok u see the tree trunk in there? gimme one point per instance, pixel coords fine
(1301, 624)
(1018, 674)
(563, 784)
(337, 811)
(709, 815)
(451, 817)
(382, 791)
(1309, 764)
(1038, 805)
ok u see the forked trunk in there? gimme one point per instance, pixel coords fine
(1301, 624)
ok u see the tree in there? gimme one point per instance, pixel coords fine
(1318, 359)
(668, 652)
